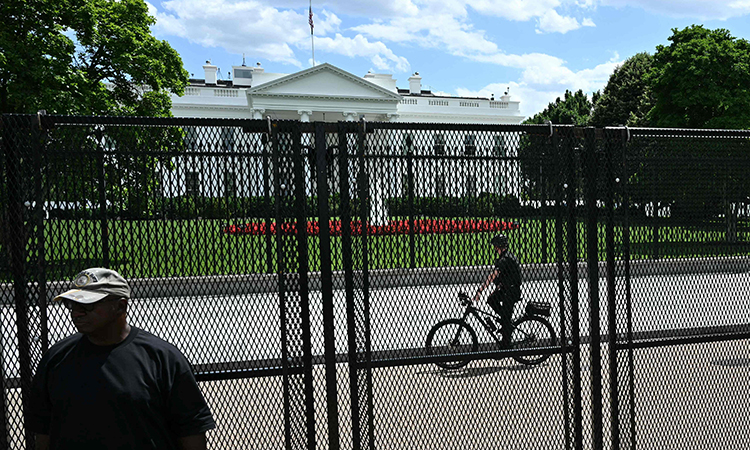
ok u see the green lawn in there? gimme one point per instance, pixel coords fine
(199, 247)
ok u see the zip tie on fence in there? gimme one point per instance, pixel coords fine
(628, 131)
(39, 114)
(549, 122)
(268, 119)
(364, 125)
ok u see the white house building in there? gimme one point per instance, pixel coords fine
(325, 93)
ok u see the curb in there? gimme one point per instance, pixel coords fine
(220, 285)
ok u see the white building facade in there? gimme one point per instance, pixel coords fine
(325, 93)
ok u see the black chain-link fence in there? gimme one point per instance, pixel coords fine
(310, 273)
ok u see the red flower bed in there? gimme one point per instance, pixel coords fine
(421, 226)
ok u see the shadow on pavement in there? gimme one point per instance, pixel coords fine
(732, 362)
(471, 372)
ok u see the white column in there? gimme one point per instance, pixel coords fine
(304, 116)
(351, 116)
(392, 117)
(258, 113)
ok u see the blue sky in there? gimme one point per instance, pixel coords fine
(537, 48)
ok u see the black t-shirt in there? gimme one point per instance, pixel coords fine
(509, 276)
(138, 394)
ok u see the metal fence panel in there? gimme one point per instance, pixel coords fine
(301, 268)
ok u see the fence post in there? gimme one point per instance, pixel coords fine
(4, 212)
(628, 293)
(281, 268)
(543, 209)
(326, 272)
(590, 180)
(572, 251)
(369, 421)
(610, 144)
(104, 224)
(303, 268)
(267, 154)
(565, 340)
(298, 411)
(345, 215)
(410, 187)
(18, 253)
(41, 265)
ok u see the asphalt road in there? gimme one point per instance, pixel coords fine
(245, 328)
(687, 396)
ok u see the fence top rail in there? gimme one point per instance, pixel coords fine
(682, 132)
(262, 125)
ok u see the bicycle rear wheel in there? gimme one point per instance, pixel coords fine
(530, 333)
(452, 337)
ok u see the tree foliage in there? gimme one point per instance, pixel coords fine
(627, 97)
(87, 57)
(701, 80)
(90, 57)
(574, 108)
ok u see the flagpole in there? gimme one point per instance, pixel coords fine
(312, 38)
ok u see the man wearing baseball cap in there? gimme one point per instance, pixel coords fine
(112, 385)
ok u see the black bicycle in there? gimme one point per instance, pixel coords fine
(456, 337)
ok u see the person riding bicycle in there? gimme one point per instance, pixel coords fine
(507, 279)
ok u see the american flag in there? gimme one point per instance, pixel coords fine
(311, 21)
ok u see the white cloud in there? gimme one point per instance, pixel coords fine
(518, 10)
(432, 31)
(698, 9)
(252, 27)
(380, 9)
(358, 46)
(552, 22)
(545, 12)
(544, 79)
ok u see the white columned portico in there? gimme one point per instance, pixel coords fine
(258, 113)
(351, 116)
(304, 115)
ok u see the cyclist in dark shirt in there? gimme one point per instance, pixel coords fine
(506, 277)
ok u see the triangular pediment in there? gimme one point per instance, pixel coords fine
(325, 81)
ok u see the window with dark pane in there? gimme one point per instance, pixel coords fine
(438, 144)
(499, 149)
(470, 145)
(230, 183)
(192, 183)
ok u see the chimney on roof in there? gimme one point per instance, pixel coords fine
(415, 84)
(210, 70)
(506, 96)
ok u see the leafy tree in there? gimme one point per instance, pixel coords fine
(701, 80)
(574, 108)
(627, 97)
(538, 159)
(91, 57)
(85, 57)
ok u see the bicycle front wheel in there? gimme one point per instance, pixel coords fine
(452, 337)
(530, 333)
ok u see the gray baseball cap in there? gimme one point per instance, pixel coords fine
(92, 285)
